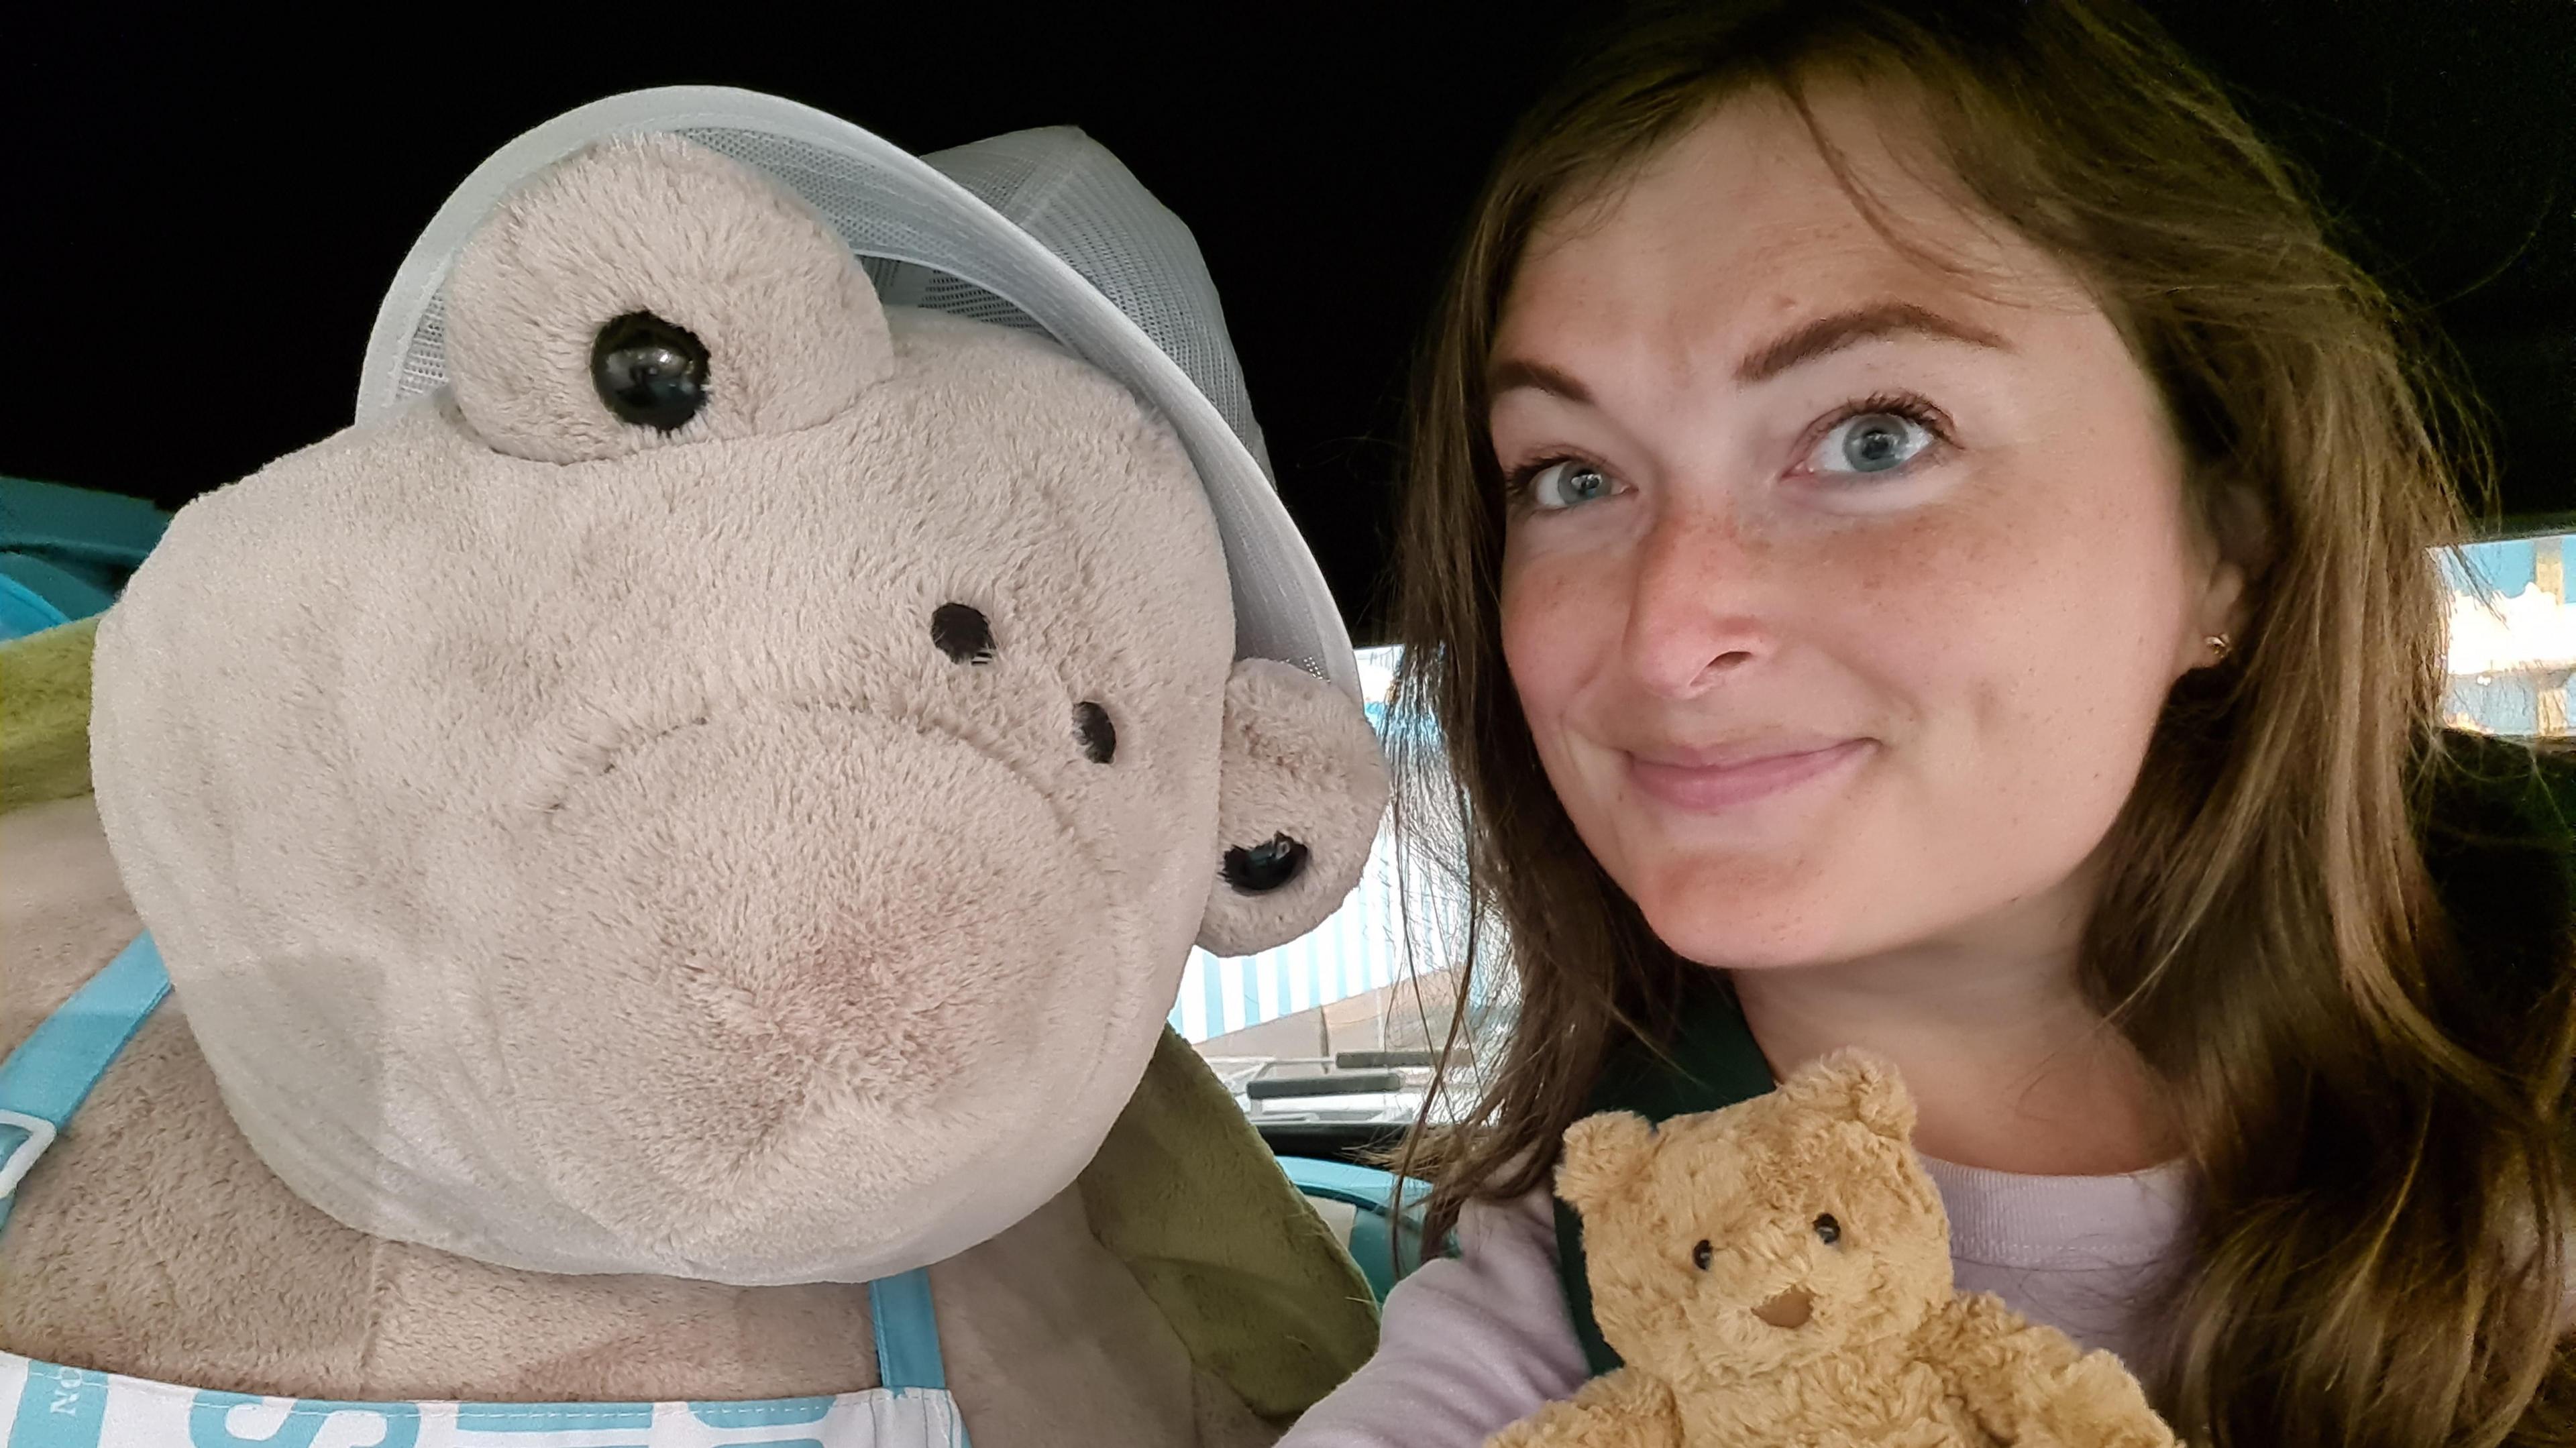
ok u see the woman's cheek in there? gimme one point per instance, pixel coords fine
(1551, 622)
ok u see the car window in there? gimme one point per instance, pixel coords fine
(1338, 1026)
(2512, 636)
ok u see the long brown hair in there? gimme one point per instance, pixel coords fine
(2382, 1142)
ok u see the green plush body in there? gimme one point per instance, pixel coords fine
(44, 715)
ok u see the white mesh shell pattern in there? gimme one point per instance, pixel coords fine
(989, 231)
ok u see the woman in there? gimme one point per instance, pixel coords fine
(1918, 542)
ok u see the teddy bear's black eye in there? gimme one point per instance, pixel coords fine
(1700, 1255)
(648, 371)
(1828, 1231)
(1256, 869)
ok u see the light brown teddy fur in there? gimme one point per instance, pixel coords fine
(1778, 1273)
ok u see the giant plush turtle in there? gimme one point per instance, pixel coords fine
(670, 853)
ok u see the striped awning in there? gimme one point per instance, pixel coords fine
(1359, 948)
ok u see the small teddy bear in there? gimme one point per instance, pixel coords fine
(1778, 1273)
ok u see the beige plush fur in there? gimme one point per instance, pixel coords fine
(605, 925)
(1741, 1323)
(682, 233)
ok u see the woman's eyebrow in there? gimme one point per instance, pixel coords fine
(1811, 340)
(1805, 343)
(1517, 372)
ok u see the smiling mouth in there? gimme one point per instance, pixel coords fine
(1738, 782)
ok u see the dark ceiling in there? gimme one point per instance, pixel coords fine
(196, 224)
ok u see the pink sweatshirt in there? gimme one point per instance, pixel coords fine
(1475, 1343)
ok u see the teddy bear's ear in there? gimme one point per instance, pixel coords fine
(1299, 796)
(1859, 1085)
(1602, 1155)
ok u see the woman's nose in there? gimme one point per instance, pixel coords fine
(1699, 607)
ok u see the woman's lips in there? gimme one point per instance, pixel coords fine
(1739, 780)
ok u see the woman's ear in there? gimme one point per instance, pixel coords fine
(1299, 796)
(2219, 614)
(2236, 541)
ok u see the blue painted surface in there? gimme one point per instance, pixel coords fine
(66, 552)
(1386, 1240)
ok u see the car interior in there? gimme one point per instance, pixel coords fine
(209, 242)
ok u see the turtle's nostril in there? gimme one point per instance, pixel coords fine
(962, 633)
(1260, 869)
(1098, 736)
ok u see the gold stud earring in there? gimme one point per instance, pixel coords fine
(2220, 646)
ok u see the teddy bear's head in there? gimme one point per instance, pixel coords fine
(1775, 1232)
(729, 785)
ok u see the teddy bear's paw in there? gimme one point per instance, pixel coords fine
(2097, 1404)
(1622, 1409)
(1921, 1434)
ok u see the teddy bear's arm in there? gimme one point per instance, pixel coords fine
(2030, 1385)
(1621, 1409)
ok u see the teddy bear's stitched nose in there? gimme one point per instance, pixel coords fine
(1789, 1309)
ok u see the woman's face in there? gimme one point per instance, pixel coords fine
(1840, 598)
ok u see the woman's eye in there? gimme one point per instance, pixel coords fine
(1564, 484)
(1873, 442)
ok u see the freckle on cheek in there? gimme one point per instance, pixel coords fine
(1532, 599)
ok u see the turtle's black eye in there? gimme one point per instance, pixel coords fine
(1700, 1255)
(1099, 737)
(649, 372)
(962, 633)
(1828, 1231)
(1257, 869)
